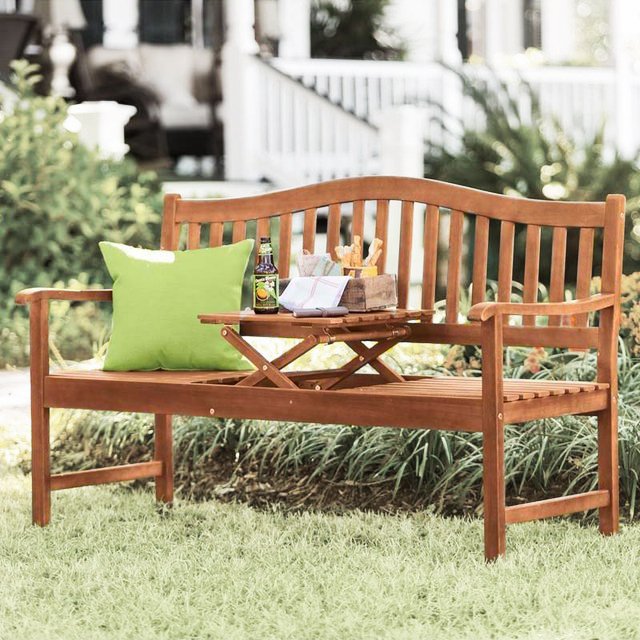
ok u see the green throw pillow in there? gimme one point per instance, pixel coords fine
(157, 296)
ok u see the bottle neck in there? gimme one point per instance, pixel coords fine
(265, 253)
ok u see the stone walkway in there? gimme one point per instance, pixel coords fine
(14, 399)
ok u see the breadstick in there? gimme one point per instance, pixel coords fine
(374, 258)
(356, 260)
(373, 248)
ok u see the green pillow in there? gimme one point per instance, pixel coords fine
(157, 296)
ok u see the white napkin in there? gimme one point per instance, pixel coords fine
(313, 292)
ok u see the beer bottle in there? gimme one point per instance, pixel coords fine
(265, 280)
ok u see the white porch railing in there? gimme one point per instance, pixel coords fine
(582, 99)
(306, 138)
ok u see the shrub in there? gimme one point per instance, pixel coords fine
(57, 200)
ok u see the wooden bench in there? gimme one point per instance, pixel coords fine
(484, 405)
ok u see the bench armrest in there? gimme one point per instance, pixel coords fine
(27, 296)
(485, 310)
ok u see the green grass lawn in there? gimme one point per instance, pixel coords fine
(109, 566)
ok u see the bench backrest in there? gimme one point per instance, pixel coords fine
(446, 214)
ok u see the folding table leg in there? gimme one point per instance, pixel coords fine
(256, 358)
(281, 361)
(384, 370)
(369, 355)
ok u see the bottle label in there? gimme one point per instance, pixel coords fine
(265, 291)
(265, 249)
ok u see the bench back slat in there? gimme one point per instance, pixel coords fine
(531, 269)
(404, 253)
(284, 245)
(357, 220)
(430, 257)
(309, 232)
(239, 231)
(411, 216)
(558, 266)
(585, 270)
(382, 225)
(456, 224)
(216, 234)
(505, 260)
(480, 260)
(333, 229)
(193, 238)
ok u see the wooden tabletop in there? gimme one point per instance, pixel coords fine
(352, 319)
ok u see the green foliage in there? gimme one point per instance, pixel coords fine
(58, 198)
(355, 29)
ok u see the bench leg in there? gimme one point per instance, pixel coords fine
(163, 451)
(40, 466)
(608, 467)
(39, 367)
(493, 439)
(494, 491)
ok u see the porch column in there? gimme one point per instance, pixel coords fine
(558, 30)
(503, 35)
(294, 17)
(120, 19)
(622, 16)
(447, 30)
(241, 93)
(493, 49)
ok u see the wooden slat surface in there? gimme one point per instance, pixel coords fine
(404, 255)
(531, 270)
(430, 260)
(333, 229)
(382, 224)
(287, 319)
(558, 262)
(457, 387)
(284, 248)
(309, 231)
(453, 269)
(480, 260)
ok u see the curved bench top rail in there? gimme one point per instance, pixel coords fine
(441, 194)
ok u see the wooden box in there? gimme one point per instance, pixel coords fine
(367, 294)
(370, 294)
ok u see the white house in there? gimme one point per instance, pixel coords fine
(292, 119)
